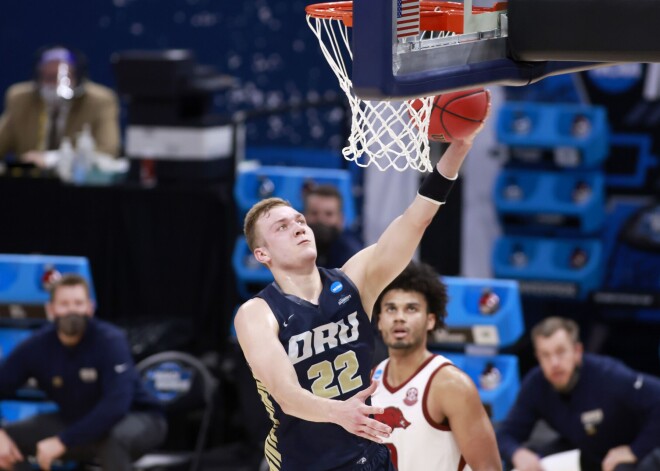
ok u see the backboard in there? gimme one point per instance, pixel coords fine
(392, 56)
(509, 43)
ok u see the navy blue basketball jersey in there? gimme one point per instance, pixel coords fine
(331, 347)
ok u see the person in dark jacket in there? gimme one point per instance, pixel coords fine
(595, 403)
(324, 213)
(84, 365)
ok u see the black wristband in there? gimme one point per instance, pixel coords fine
(436, 187)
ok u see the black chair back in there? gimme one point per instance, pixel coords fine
(182, 384)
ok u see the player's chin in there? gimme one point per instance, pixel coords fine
(307, 249)
(397, 344)
(311, 254)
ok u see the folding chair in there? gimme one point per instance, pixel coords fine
(184, 386)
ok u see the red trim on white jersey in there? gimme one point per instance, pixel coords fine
(462, 464)
(416, 440)
(393, 389)
(425, 408)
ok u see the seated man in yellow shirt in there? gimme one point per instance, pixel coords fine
(56, 104)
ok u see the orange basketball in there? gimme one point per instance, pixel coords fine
(456, 115)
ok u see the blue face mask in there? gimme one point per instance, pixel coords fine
(72, 324)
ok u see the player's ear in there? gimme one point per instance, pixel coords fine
(431, 319)
(261, 254)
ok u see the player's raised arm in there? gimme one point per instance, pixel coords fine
(375, 267)
(257, 331)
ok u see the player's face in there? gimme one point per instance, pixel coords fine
(286, 237)
(404, 319)
(68, 300)
(324, 210)
(558, 356)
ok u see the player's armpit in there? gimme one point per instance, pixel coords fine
(385, 260)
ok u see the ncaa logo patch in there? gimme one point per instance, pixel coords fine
(336, 287)
(377, 374)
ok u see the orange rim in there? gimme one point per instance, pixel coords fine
(434, 15)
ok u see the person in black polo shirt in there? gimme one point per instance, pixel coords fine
(84, 365)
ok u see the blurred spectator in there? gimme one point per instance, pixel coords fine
(324, 214)
(84, 365)
(595, 403)
(58, 102)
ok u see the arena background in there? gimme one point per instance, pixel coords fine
(267, 45)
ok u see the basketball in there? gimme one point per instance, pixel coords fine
(456, 115)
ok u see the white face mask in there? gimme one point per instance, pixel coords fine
(62, 90)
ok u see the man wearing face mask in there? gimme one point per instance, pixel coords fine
(84, 365)
(324, 215)
(58, 103)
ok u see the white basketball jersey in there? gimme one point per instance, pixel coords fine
(416, 442)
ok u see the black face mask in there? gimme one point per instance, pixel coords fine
(72, 324)
(325, 235)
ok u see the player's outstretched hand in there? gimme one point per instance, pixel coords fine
(470, 138)
(353, 414)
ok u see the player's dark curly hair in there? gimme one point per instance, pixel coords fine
(423, 279)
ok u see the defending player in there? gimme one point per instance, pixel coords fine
(434, 408)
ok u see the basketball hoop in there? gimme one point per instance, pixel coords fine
(384, 133)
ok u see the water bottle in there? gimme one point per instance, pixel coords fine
(65, 163)
(84, 156)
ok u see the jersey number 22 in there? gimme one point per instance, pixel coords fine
(345, 367)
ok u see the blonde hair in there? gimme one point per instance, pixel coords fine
(253, 215)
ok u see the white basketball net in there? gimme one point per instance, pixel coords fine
(384, 133)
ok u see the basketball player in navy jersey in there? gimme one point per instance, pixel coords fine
(308, 337)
